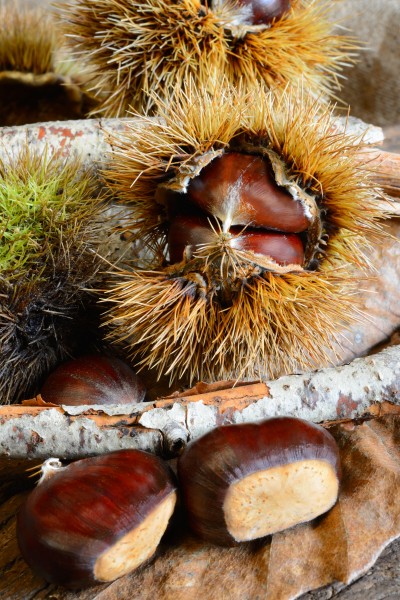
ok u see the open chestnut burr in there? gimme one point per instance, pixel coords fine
(257, 216)
(238, 195)
(243, 482)
(278, 42)
(93, 379)
(96, 519)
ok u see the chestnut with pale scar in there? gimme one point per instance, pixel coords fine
(96, 519)
(243, 482)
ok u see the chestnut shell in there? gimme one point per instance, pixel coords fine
(265, 11)
(78, 513)
(227, 454)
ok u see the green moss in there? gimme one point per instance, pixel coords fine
(40, 203)
(51, 215)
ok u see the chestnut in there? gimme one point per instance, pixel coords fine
(191, 231)
(240, 189)
(96, 519)
(284, 249)
(242, 482)
(93, 379)
(186, 231)
(265, 11)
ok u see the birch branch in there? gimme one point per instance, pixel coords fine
(167, 424)
(89, 139)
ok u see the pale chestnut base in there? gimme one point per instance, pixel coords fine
(136, 546)
(275, 499)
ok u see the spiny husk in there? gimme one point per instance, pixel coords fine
(37, 83)
(177, 324)
(223, 313)
(135, 47)
(27, 40)
(50, 218)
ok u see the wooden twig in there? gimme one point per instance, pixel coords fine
(165, 425)
(386, 172)
(85, 138)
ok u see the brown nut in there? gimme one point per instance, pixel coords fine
(265, 11)
(96, 519)
(187, 231)
(240, 189)
(284, 249)
(93, 379)
(190, 233)
(242, 482)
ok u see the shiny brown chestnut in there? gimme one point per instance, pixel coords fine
(240, 189)
(265, 11)
(242, 482)
(190, 232)
(184, 231)
(283, 248)
(93, 379)
(96, 519)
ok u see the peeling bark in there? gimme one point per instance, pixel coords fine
(167, 424)
(39, 432)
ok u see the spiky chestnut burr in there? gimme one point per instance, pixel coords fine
(137, 47)
(37, 83)
(93, 379)
(96, 519)
(243, 482)
(51, 217)
(227, 310)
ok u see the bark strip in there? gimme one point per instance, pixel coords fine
(167, 424)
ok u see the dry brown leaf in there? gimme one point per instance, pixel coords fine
(339, 546)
